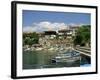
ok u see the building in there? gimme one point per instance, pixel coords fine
(60, 39)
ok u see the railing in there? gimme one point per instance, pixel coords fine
(84, 50)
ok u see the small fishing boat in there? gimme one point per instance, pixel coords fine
(67, 57)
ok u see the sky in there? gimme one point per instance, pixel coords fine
(46, 20)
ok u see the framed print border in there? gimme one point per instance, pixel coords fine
(14, 38)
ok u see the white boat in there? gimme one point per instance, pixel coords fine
(27, 49)
(38, 49)
(67, 57)
(51, 49)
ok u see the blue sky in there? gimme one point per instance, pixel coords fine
(31, 18)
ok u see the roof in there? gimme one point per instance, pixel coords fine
(50, 32)
(64, 30)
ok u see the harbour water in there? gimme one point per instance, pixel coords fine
(43, 59)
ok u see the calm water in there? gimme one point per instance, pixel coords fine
(42, 59)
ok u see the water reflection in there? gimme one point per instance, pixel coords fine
(43, 59)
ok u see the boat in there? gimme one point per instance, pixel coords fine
(67, 57)
(27, 49)
(38, 49)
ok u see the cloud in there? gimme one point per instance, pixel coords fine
(28, 29)
(44, 26)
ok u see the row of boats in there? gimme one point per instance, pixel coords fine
(41, 48)
(61, 56)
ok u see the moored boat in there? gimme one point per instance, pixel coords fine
(67, 57)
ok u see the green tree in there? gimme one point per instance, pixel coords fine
(30, 38)
(83, 35)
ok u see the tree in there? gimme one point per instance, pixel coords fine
(83, 35)
(30, 38)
